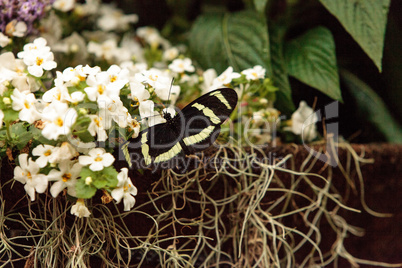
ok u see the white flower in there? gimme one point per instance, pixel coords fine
(45, 153)
(12, 69)
(114, 19)
(303, 122)
(90, 7)
(208, 77)
(97, 159)
(39, 62)
(146, 108)
(98, 86)
(65, 177)
(28, 173)
(155, 78)
(25, 103)
(64, 5)
(133, 68)
(37, 57)
(125, 190)
(133, 124)
(74, 45)
(37, 46)
(170, 54)
(4, 40)
(117, 78)
(138, 92)
(96, 127)
(79, 209)
(111, 109)
(257, 72)
(16, 28)
(59, 92)
(65, 152)
(225, 78)
(51, 28)
(58, 119)
(181, 66)
(106, 50)
(152, 37)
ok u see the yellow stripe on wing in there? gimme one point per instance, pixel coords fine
(197, 138)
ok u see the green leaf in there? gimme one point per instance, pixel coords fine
(365, 21)
(311, 59)
(372, 107)
(280, 74)
(101, 179)
(260, 5)
(10, 115)
(236, 39)
(84, 190)
(21, 135)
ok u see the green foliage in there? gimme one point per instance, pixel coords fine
(90, 181)
(365, 21)
(373, 108)
(255, 37)
(311, 59)
(236, 39)
(279, 71)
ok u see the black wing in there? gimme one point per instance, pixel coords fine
(158, 146)
(202, 118)
(193, 129)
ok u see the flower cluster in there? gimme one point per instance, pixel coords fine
(58, 112)
(17, 17)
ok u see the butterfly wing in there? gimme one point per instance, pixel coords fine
(193, 129)
(202, 118)
(158, 145)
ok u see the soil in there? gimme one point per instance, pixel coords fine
(383, 187)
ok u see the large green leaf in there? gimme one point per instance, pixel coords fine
(311, 59)
(280, 74)
(236, 39)
(365, 20)
(372, 107)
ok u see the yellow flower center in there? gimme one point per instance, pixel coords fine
(59, 122)
(97, 122)
(101, 89)
(66, 177)
(39, 61)
(113, 78)
(98, 159)
(29, 175)
(26, 104)
(48, 152)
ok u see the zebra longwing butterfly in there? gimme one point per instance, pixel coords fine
(192, 129)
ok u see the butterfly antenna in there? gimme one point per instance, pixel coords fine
(170, 89)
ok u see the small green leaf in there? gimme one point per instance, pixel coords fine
(21, 135)
(365, 21)
(311, 59)
(84, 190)
(236, 39)
(10, 115)
(370, 105)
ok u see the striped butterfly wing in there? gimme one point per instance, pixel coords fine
(158, 145)
(193, 129)
(202, 118)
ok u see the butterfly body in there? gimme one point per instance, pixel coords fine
(192, 129)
